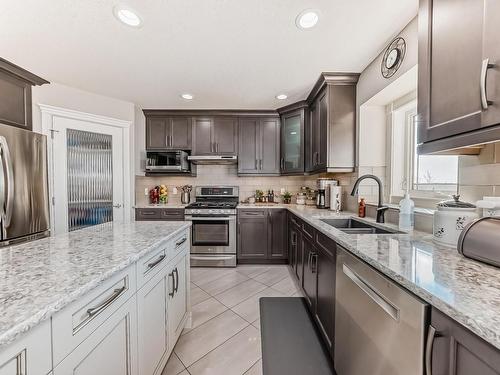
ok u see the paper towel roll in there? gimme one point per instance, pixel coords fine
(335, 198)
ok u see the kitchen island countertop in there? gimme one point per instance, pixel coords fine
(39, 278)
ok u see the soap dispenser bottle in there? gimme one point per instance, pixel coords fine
(406, 213)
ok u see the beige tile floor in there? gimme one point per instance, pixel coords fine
(225, 334)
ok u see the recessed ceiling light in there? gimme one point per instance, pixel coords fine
(281, 97)
(187, 96)
(127, 15)
(307, 19)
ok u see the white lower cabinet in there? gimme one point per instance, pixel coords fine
(178, 303)
(30, 355)
(152, 307)
(111, 349)
(120, 328)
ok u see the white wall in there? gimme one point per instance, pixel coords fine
(58, 95)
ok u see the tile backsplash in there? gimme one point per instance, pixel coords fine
(222, 175)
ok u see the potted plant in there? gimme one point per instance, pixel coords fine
(287, 197)
(258, 195)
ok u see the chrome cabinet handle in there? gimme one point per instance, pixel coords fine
(179, 243)
(431, 335)
(96, 310)
(118, 205)
(153, 264)
(148, 213)
(171, 294)
(8, 202)
(260, 163)
(484, 77)
(372, 293)
(176, 286)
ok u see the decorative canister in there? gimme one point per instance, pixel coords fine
(450, 219)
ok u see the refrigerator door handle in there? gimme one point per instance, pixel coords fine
(8, 202)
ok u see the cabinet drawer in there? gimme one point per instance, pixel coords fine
(326, 244)
(308, 230)
(180, 242)
(76, 322)
(295, 221)
(174, 214)
(147, 214)
(149, 265)
(28, 355)
(253, 212)
(110, 349)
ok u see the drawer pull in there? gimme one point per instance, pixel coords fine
(148, 213)
(179, 243)
(157, 261)
(96, 310)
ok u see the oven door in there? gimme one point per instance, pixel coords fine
(213, 235)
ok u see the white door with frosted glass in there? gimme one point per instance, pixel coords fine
(88, 181)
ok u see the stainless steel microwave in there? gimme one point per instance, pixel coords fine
(167, 161)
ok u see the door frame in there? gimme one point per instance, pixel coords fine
(50, 113)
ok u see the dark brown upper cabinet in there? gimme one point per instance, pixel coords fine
(215, 135)
(456, 350)
(458, 74)
(259, 145)
(330, 132)
(172, 133)
(15, 95)
(293, 119)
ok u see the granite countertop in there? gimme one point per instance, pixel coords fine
(466, 290)
(41, 277)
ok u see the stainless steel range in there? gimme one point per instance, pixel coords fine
(213, 233)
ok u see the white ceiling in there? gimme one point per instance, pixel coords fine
(228, 53)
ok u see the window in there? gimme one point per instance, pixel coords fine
(424, 176)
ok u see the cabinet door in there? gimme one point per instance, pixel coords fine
(449, 67)
(177, 308)
(292, 142)
(310, 273)
(310, 137)
(203, 143)
(457, 351)
(277, 234)
(249, 146)
(180, 133)
(491, 51)
(325, 308)
(110, 350)
(270, 146)
(152, 323)
(252, 238)
(157, 132)
(15, 101)
(292, 245)
(226, 135)
(322, 133)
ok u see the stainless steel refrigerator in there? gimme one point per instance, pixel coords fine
(24, 197)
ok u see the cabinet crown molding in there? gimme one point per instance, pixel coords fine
(21, 73)
(210, 112)
(332, 78)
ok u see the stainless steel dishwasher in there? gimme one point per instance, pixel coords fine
(379, 327)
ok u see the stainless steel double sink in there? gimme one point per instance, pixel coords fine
(353, 226)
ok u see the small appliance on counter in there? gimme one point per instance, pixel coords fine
(323, 194)
(490, 206)
(167, 162)
(479, 240)
(450, 219)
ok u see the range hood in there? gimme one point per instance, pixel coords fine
(213, 159)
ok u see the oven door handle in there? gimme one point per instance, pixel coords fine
(211, 218)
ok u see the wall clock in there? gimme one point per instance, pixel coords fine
(393, 57)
